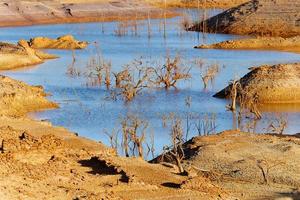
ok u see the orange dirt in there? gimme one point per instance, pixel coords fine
(260, 43)
(196, 3)
(63, 42)
(257, 17)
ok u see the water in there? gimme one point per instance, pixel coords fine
(87, 111)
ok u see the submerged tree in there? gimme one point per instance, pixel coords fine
(208, 73)
(171, 72)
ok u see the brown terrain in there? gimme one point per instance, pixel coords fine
(63, 42)
(256, 17)
(14, 56)
(270, 43)
(30, 12)
(25, 53)
(40, 161)
(271, 84)
(197, 3)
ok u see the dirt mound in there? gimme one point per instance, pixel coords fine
(271, 84)
(257, 17)
(18, 98)
(15, 56)
(264, 164)
(64, 42)
(276, 43)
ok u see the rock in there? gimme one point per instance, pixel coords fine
(63, 42)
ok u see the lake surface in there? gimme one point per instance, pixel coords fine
(88, 111)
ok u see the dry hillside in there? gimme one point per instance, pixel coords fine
(257, 17)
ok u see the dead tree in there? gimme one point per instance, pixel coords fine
(170, 73)
(123, 75)
(175, 152)
(134, 134)
(208, 74)
(235, 85)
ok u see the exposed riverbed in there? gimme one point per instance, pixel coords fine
(88, 111)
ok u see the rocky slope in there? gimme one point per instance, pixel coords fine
(271, 84)
(256, 17)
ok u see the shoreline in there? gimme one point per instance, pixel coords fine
(86, 20)
(27, 13)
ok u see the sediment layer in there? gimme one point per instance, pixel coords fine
(271, 84)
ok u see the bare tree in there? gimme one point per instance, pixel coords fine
(123, 75)
(265, 166)
(208, 74)
(133, 79)
(113, 139)
(171, 72)
(278, 126)
(235, 85)
(134, 134)
(175, 152)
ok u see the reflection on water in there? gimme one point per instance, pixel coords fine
(86, 110)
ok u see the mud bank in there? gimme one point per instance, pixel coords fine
(259, 43)
(14, 56)
(63, 42)
(24, 12)
(270, 84)
(257, 17)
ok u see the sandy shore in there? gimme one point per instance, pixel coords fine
(31, 12)
(260, 43)
(14, 56)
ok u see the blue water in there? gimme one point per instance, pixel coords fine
(87, 111)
